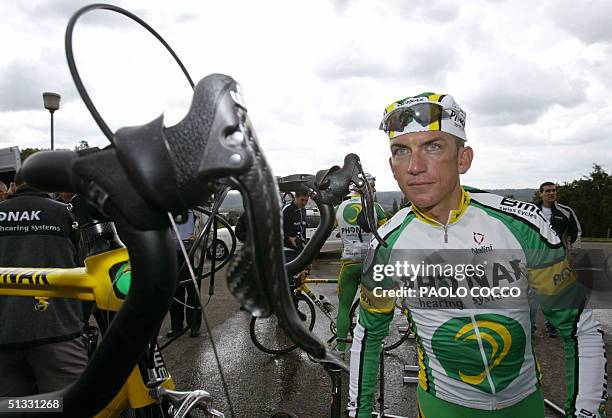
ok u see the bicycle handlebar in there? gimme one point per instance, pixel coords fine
(151, 170)
(328, 188)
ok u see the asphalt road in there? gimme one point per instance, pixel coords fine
(260, 385)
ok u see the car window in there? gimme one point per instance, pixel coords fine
(312, 221)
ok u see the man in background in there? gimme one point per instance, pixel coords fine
(3, 191)
(561, 217)
(186, 304)
(565, 224)
(294, 226)
(41, 345)
(355, 243)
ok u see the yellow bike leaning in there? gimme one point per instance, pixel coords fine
(105, 280)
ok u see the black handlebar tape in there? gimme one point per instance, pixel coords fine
(134, 325)
(100, 178)
(173, 168)
(49, 170)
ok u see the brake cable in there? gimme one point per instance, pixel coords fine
(110, 136)
(367, 203)
(213, 216)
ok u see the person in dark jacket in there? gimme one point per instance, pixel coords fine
(186, 304)
(565, 223)
(294, 226)
(561, 217)
(40, 350)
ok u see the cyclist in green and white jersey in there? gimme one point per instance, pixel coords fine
(355, 242)
(475, 353)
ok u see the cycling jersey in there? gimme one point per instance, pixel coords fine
(354, 240)
(476, 351)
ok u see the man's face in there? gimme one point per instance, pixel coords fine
(427, 166)
(66, 196)
(300, 201)
(3, 192)
(549, 194)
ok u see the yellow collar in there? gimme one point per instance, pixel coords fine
(454, 214)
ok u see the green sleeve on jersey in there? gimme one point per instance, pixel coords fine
(380, 214)
(562, 298)
(376, 328)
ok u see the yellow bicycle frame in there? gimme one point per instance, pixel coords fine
(90, 283)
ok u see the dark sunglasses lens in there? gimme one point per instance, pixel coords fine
(423, 114)
(426, 113)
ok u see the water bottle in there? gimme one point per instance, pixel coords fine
(329, 307)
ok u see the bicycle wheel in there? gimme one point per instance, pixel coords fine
(269, 337)
(398, 330)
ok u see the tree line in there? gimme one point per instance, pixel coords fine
(590, 197)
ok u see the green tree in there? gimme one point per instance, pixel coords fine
(591, 199)
(83, 144)
(26, 152)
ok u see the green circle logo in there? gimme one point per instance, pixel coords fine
(351, 212)
(456, 346)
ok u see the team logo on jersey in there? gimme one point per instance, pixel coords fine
(456, 346)
(351, 212)
(478, 238)
(602, 410)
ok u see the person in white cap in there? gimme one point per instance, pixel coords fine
(463, 260)
(355, 243)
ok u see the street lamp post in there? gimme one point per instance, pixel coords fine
(52, 103)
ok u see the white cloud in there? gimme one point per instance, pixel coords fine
(534, 81)
(588, 20)
(22, 83)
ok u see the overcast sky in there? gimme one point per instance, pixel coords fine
(535, 78)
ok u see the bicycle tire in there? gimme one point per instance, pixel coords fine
(398, 329)
(269, 337)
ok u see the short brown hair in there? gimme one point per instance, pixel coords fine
(546, 183)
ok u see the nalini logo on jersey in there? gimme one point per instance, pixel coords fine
(479, 239)
(502, 339)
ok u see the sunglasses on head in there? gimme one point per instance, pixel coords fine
(422, 113)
